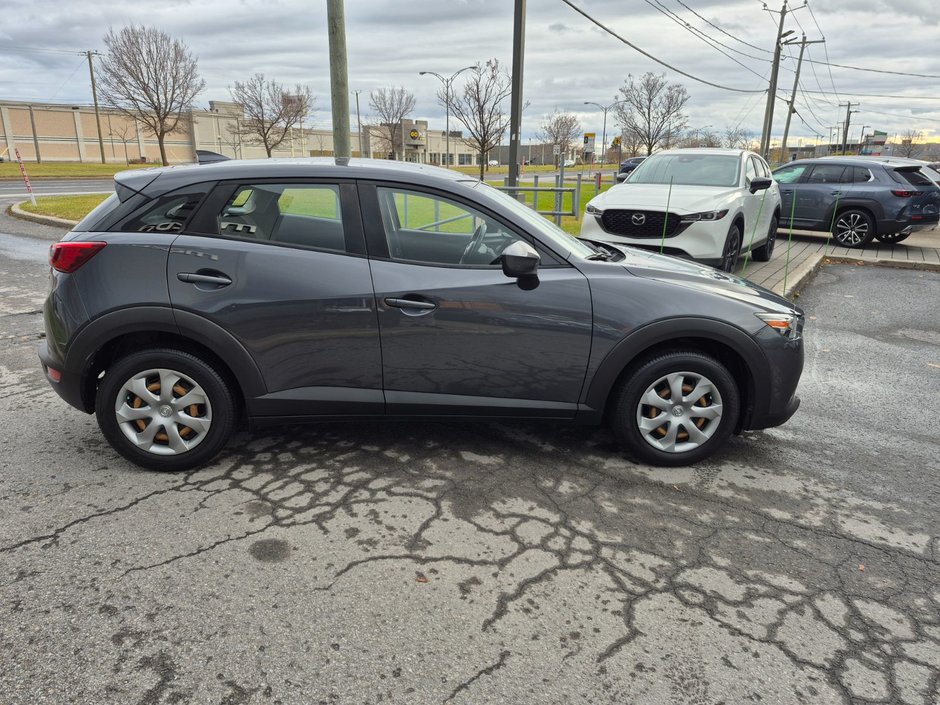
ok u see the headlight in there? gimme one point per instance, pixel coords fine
(786, 324)
(707, 215)
(593, 210)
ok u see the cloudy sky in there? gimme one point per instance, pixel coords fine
(569, 60)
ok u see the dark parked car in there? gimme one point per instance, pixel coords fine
(198, 298)
(626, 168)
(857, 199)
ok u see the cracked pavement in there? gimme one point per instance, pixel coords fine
(488, 563)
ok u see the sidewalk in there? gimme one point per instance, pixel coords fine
(808, 250)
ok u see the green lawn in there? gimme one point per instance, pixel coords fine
(68, 207)
(49, 170)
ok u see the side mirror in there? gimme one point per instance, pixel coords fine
(521, 261)
(760, 183)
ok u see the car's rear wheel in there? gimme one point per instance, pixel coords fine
(732, 249)
(766, 251)
(165, 409)
(676, 408)
(853, 228)
(892, 238)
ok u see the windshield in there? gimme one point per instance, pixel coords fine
(545, 227)
(688, 170)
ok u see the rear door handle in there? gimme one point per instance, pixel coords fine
(410, 303)
(196, 278)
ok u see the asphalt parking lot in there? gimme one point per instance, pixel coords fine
(488, 563)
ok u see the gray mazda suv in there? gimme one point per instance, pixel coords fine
(197, 299)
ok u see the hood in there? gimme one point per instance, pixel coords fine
(700, 277)
(683, 199)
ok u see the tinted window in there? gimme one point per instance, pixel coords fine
(914, 177)
(432, 229)
(826, 174)
(790, 174)
(105, 208)
(763, 169)
(168, 213)
(856, 175)
(751, 169)
(296, 214)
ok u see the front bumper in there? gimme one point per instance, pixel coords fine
(702, 241)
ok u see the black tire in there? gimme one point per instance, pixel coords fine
(892, 238)
(766, 251)
(628, 408)
(213, 406)
(732, 249)
(853, 228)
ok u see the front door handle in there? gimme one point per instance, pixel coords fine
(835, 193)
(197, 278)
(410, 303)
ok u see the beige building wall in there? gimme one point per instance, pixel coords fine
(67, 133)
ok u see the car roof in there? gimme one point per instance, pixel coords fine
(723, 151)
(162, 179)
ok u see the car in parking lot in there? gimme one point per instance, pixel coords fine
(710, 205)
(858, 199)
(198, 298)
(626, 168)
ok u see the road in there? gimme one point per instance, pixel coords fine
(51, 187)
(487, 563)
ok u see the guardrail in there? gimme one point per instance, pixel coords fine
(560, 191)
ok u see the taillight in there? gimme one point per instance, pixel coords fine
(901, 193)
(66, 257)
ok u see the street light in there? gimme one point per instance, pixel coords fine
(604, 133)
(447, 84)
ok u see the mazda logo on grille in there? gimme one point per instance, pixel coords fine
(638, 218)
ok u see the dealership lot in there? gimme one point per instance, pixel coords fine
(461, 562)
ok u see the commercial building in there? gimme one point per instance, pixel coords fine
(69, 133)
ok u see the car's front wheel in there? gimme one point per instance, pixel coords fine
(676, 408)
(853, 228)
(165, 409)
(732, 249)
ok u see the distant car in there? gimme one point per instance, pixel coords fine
(493, 162)
(199, 298)
(626, 168)
(570, 162)
(858, 198)
(710, 205)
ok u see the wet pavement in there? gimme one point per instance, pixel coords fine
(488, 563)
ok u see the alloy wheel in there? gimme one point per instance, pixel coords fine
(852, 229)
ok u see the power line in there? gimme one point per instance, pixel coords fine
(903, 117)
(862, 68)
(650, 56)
(818, 82)
(825, 49)
(728, 34)
(700, 35)
(882, 95)
(14, 47)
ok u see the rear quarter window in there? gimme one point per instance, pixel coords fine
(100, 213)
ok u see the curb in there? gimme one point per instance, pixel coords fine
(18, 212)
(896, 263)
(802, 276)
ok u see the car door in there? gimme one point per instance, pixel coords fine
(818, 193)
(281, 266)
(459, 336)
(757, 212)
(788, 178)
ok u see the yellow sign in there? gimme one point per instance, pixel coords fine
(414, 134)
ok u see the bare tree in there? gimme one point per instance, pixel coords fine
(653, 109)
(630, 142)
(125, 131)
(738, 138)
(480, 108)
(910, 146)
(232, 137)
(270, 109)
(150, 77)
(391, 106)
(560, 129)
(699, 137)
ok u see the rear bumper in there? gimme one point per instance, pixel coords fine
(67, 385)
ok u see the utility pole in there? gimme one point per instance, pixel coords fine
(94, 97)
(515, 110)
(792, 104)
(772, 91)
(861, 137)
(339, 80)
(848, 118)
(359, 124)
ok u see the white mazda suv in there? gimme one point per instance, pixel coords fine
(709, 205)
